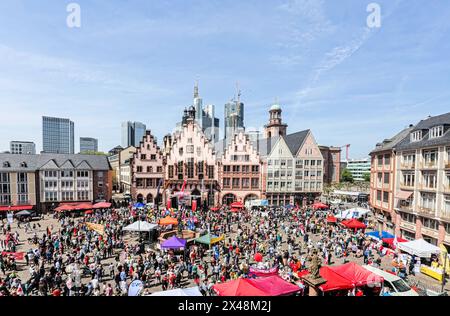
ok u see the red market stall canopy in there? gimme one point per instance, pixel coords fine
(331, 219)
(166, 221)
(390, 241)
(335, 282)
(215, 209)
(89, 212)
(354, 224)
(319, 205)
(101, 205)
(16, 208)
(237, 205)
(74, 207)
(357, 275)
(269, 286)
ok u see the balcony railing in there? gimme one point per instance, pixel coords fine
(428, 165)
(423, 187)
(407, 165)
(444, 214)
(406, 186)
(426, 211)
(407, 209)
(447, 188)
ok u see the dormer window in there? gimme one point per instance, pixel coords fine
(436, 131)
(416, 136)
(6, 164)
(23, 165)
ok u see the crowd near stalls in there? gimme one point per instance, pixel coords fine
(99, 250)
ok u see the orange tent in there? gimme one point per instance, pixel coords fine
(168, 221)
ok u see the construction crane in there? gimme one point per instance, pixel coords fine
(347, 147)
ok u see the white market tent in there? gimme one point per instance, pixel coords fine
(356, 212)
(420, 248)
(140, 226)
(193, 291)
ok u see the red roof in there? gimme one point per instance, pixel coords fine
(356, 274)
(353, 223)
(237, 205)
(269, 286)
(16, 208)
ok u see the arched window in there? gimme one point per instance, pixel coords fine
(23, 164)
(6, 164)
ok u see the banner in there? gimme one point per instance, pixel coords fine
(194, 205)
(17, 255)
(135, 288)
(444, 260)
(96, 227)
(263, 272)
(10, 217)
(216, 240)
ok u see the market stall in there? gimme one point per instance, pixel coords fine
(268, 286)
(379, 235)
(140, 226)
(320, 205)
(192, 291)
(353, 224)
(174, 243)
(426, 251)
(166, 221)
(419, 248)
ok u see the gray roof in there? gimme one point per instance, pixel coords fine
(295, 141)
(425, 126)
(389, 144)
(36, 162)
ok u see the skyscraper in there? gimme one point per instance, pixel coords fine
(234, 117)
(204, 117)
(58, 135)
(88, 144)
(132, 133)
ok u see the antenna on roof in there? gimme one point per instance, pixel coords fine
(238, 91)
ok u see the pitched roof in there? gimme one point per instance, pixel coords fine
(392, 142)
(36, 162)
(426, 125)
(296, 140)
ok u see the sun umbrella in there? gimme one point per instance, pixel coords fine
(23, 213)
(89, 212)
(237, 205)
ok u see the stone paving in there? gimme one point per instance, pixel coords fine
(48, 221)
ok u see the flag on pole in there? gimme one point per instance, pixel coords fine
(184, 186)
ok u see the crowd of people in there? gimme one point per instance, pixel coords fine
(70, 259)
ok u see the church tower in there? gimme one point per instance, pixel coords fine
(275, 127)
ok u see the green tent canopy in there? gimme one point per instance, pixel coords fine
(209, 239)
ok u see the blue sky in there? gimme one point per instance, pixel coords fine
(139, 59)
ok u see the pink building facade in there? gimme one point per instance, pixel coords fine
(147, 165)
(191, 162)
(240, 171)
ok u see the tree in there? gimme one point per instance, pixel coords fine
(347, 176)
(366, 177)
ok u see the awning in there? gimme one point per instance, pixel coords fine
(404, 195)
(16, 208)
